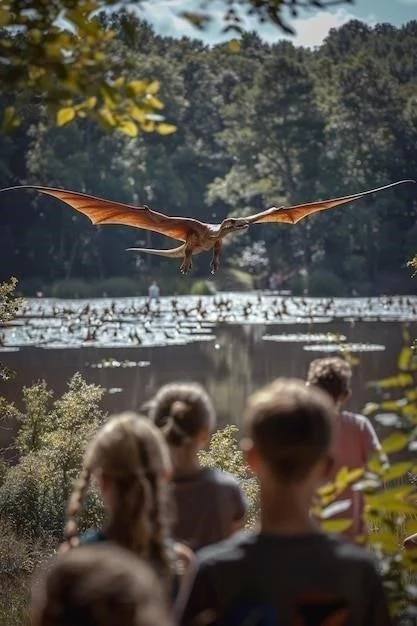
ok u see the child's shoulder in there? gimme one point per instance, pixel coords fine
(93, 535)
(219, 477)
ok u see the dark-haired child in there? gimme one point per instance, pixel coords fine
(100, 585)
(210, 504)
(355, 440)
(289, 573)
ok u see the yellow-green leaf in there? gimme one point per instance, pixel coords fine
(387, 541)
(90, 103)
(401, 380)
(396, 506)
(395, 442)
(5, 17)
(397, 470)
(137, 113)
(107, 117)
(153, 87)
(128, 128)
(153, 102)
(336, 525)
(166, 129)
(35, 35)
(10, 120)
(234, 45)
(405, 359)
(148, 126)
(137, 87)
(65, 115)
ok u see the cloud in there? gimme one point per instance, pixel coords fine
(311, 29)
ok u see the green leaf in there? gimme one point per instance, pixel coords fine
(395, 442)
(336, 525)
(165, 129)
(5, 17)
(65, 115)
(10, 120)
(397, 470)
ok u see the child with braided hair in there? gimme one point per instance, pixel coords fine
(210, 504)
(130, 462)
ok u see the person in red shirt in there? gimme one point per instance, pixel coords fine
(355, 440)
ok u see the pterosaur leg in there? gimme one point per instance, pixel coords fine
(215, 261)
(187, 263)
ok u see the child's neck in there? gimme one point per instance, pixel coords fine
(286, 511)
(185, 461)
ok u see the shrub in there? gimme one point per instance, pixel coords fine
(324, 282)
(201, 288)
(224, 453)
(51, 439)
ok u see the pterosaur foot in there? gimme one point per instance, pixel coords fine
(214, 266)
(186, 267)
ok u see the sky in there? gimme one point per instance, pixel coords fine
(311, 27)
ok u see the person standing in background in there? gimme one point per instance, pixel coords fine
(355, 438)
(153, 291)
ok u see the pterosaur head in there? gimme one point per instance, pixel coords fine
(232, 224)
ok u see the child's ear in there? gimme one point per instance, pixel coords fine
(250, 453)
(328, 467)
(203, 438)
(345, 397)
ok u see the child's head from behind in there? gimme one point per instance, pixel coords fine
(333, 375)
(184, 413)
(290, 431)
(130, 460)
(99, 585)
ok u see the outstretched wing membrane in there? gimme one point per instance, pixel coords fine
(293, 214)
(101, 211)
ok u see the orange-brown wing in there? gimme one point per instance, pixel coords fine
(293, 214)
(101, 211)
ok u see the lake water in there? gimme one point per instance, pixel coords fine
(232, 344)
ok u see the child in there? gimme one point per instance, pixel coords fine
(210, 504)
(98, 585)
(288, 573)
(130, 462)
(355, 439)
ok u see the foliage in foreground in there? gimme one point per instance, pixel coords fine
(51, 438)
(50, 442)
(9, 306)
(59, 52)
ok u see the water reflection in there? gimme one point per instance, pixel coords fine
(231, 344)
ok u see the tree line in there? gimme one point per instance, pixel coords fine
(266, 125)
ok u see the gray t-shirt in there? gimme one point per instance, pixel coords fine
(207, 503)
(272, 580)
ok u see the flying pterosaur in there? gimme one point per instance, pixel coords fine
(196, 236)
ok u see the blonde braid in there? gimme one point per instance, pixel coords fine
(159, 551)
(75, 504)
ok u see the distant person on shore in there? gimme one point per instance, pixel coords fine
(153, 291)
(130, 462)
(355, 438)
(210, 504)
(288, 573)
(99, 585)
